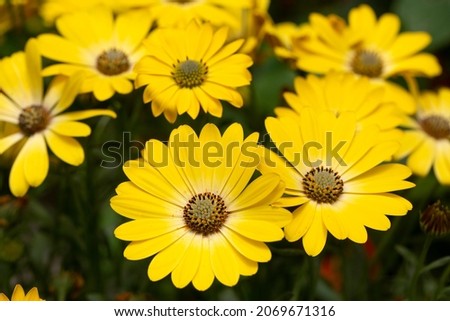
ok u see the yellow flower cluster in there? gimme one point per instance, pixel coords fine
(193, 202)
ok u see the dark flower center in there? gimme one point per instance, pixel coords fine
(190, 73)
(367, 63)
(205, 213)
(436, 126)
(323, 185)
(33, 119)
(113, 62)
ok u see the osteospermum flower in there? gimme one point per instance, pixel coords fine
(105, 48)
(341, 92)
(50, 10)
(180, 12)
(368, 47)
(192, 67)
(19, 295)
(191, 207)
(333, 177)
(39, 120)
(426, 140)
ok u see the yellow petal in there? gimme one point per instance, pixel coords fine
(132, 27)
(18, 293)
(251, 249)
(147, 228)
(223, 260)
(422, 158)
(70, 128)
(408, 43)
(315, 238)
(257, 230)
(84, 114)
(385, 31)
(204, 277)
(103, 89)
(60, 49)
(409, 141)
(36, 160)
(380, 179)
(442, 163)
(121, 85)
(8, 141)
(34, 67)
(17, 181)
(302, 219)
(422, 64)
(257, 191)
(65, 148)
(267, 213)
(186, 269)
(332, 219)
(138, 250)
(166, 261)
(69, 92)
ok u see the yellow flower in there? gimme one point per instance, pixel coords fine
(426, 141)
(171, 13)
(50, 10)
(252, 25)
(39, 119)
(191, 207)
(286, 38)
(378, 50)
(368, 47)
(341, 92)
(188, 68)
(19, 295)
(105, 48)
(333, 177)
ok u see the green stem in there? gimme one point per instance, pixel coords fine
(419, 267)
(442, 282)
(91, 227)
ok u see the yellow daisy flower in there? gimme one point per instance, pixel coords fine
(191, 207)
(192, 67)
(105, 48)
(341, 92)
(50, 10)
(253, 22)
(19, 295)
(426, 141)
(39, 119)
(286, 38)
(368, 47)
(172, 13)
(379, 51)
(334, 177)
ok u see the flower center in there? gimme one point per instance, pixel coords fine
(436, 126)
(367, 63)
(323, 185)
(190, 73)
(205, 213)
(113, 62)
(33, 119)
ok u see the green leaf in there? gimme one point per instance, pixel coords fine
(407, 254)
(436, 264)
(424, 15)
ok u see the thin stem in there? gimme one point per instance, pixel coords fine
(442, 282)
(419, 267)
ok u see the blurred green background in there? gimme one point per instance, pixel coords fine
(60, 236)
